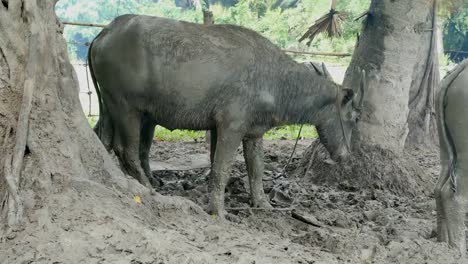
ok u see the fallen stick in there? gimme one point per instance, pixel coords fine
(294, 214)
(258, 209)
(305, 219)
(335, 54)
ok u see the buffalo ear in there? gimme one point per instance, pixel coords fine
(326, 72)
(348, 96)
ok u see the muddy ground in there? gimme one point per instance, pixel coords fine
(113, 219)
(348, 224)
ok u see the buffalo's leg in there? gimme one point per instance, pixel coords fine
(226, 146)
(451, 205)
(126, 147)
(453, 209)
(104, 129)
(253, 154)
(213, 139)
(146, 139)
(442, 235)
(454, 202)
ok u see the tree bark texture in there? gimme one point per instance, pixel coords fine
(421, 119)
(394, 48)
(46, 143)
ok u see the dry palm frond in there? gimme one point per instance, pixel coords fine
(329, 23)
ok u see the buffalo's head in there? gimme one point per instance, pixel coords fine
(337, 121)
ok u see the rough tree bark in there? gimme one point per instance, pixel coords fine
(394, 48)
(397, 49)
(46, 143)
(421, 119)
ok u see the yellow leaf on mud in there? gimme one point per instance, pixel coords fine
(137, 199)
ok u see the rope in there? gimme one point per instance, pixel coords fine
(294, 150)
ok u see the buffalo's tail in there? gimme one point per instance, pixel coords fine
(103, 128)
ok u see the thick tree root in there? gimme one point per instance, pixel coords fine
(13, 163)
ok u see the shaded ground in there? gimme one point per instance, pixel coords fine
(354, 225)
(113, 219)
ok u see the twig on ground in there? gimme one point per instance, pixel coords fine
(258, 209)
(305, 219)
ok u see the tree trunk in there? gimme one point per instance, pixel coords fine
(395, 46)
(46, 142)
(421, 119)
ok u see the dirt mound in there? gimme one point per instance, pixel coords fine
(370, 168)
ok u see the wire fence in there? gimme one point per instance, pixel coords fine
(89, 90)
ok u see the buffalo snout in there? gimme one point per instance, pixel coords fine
(341, 155)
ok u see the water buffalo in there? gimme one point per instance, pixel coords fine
(452, 188)
(222, 78)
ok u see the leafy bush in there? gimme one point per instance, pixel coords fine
(455, 28)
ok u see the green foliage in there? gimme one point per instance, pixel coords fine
(92, 120)
(283, 27)
(291, 132)
(455, 31)
(163, 134)
(167, 8)
(284, 132)
(90, 11)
